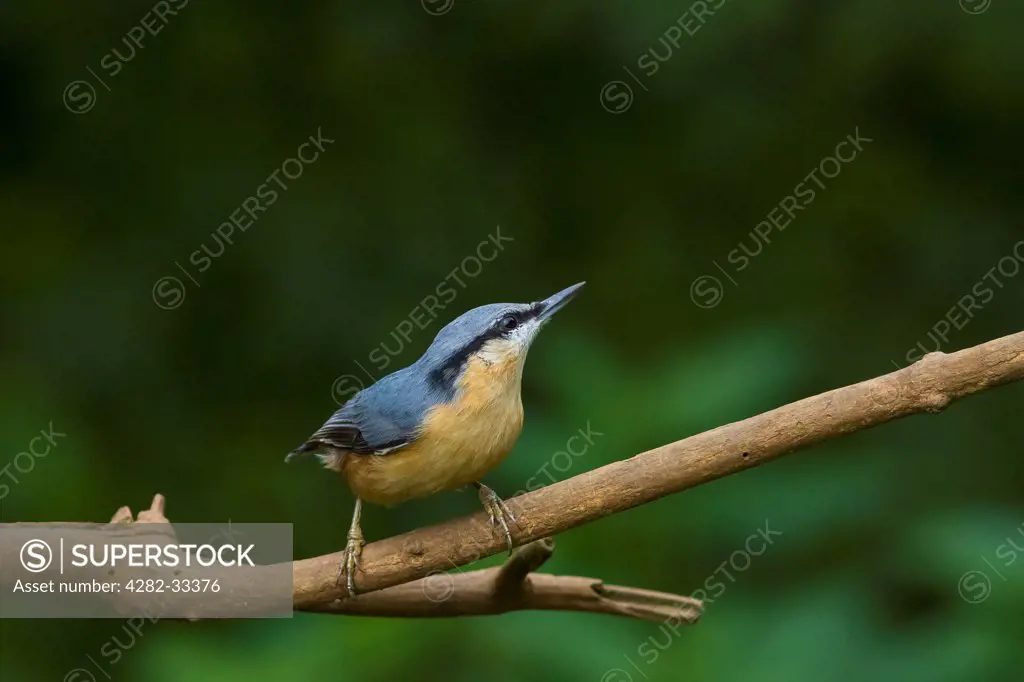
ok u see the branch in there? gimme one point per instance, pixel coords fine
(511, 587)
(927, 386)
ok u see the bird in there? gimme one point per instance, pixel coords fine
(439, 424)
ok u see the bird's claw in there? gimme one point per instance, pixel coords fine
(351, 562)
(498, 513)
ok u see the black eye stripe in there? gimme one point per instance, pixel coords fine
(443, 376)
(522, 316)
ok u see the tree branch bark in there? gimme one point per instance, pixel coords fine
(930, 385)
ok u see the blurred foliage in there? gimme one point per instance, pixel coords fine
(491, 114)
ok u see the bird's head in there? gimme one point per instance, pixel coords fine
(497, 335)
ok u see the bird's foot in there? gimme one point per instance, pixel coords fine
(350, 562)
(498, 513)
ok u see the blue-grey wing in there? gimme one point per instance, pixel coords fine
(380, 419)
(366, 429)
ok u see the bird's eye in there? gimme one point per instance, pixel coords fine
(508, 323)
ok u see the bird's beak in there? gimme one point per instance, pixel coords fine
(553, 304)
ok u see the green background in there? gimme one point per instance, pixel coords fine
(446, 126)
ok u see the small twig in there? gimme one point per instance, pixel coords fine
(651, 605)
(511, 577)
(471, 594)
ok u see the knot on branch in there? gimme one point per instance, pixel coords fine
(935, 402)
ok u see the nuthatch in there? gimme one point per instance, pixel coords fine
(442, 422)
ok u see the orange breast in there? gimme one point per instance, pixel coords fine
(459, 443)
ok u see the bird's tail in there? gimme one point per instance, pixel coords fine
(303, 449)
(331, 458)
